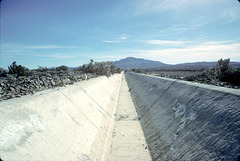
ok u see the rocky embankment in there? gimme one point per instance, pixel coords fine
(206, 77)
(12, 86)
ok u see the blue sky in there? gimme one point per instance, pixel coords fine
(56, 32)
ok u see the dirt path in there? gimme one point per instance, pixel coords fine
(128, 142)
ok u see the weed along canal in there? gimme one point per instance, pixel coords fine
(126, 116)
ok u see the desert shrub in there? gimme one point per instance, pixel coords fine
(18, 69)
(226, 73)
(62, 68)
(232, 75)
(42, 69)
(223, 65)
(133, 70)
(90, 67)
(99, 68)
(83, 68)
(119, 70)
(106, 68)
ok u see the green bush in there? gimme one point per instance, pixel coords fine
(226, 73)
(90, 67)
(106, 68)
(18, 69)
(42, 69)
(62, 68)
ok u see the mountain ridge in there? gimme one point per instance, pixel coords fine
(140, 63)
(131, 62)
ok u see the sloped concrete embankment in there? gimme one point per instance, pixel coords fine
(71, 123)
(187, 121)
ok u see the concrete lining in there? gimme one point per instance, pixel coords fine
(72, 123)
(90, 120)
(187, 121)
(128, 141)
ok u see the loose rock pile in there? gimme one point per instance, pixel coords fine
(12, 86)
(207, 77)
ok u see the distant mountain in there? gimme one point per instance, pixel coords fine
(235, 64)
(138, 63)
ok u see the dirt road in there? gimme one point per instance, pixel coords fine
(128, 142)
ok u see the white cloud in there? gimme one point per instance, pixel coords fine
(11, 51)
(9, 46)
(61, 56)
(165, 42)
(201, 51)
(110, 41)
(164, 5)
(116, 40)
(44, 47)
(176, 29)
(123, 38)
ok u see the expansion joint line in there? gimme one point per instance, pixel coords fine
(104, 90)
(97, 103)
(80, 111)
(149, 107)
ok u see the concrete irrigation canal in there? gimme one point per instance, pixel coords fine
(124, 117)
